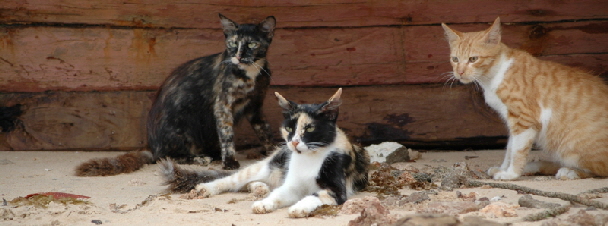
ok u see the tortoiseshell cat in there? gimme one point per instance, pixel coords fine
(316, 166)
(562, 109)
(198, 104)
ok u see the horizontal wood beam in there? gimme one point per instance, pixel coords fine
(38, 59)
(305, 13)
(423, 115)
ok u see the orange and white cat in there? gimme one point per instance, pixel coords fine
(563, 110)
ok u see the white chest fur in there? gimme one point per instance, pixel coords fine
(497, 73)
(303, 171)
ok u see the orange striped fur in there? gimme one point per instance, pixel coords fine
(561, 109)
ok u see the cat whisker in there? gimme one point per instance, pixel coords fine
(261, 68)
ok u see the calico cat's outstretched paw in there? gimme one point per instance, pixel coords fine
(304, 207)
(206, 190)
(505, 175)
(263, 206)
(258, 189)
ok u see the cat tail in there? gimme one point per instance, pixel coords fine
(125, 163)
(183, 180)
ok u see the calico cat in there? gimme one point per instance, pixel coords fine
(563, 110)
(316, 166)
(198, 104)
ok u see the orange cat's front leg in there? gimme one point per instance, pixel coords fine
(518, 147)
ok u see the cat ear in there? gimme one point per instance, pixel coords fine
(330, 108)
(268, 25)
(450, 35)
(493, 33)
(284, 103)
(229, 26)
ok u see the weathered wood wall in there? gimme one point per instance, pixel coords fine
(86, 71)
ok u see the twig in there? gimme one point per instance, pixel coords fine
(559, 195)
(553, 212)
(597, 190)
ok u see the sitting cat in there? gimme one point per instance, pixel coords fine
(316, 166)
(198, 104)
(563, 110)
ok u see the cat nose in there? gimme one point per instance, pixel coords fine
(295, 143)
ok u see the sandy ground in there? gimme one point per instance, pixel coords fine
(120, 200)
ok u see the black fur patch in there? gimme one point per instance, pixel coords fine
(332, 175)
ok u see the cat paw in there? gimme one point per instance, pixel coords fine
(231, 164)
(258, 189)
(505, 175)
(493, 170)
(304, 207)
(264, 206)
(206, 190)
(567, 174)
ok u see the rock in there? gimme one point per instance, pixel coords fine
(443, 220)
(427, 220)
(470, 197)
(499, 209)
(379, 152)
(478, 221)
(450, 208)
(529, 202)
(483, 202)
(416, 197)
(452, 182)
(356, 205)
(399, 155)
(372, 212)
(580, 218)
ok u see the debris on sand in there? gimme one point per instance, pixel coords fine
(372, 212)
(449, 207)
(580, 218)
(43, 199)
(499, 209)
(387, 180)
(443, 219)
(326, 211)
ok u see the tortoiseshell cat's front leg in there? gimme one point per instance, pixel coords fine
(225, 122)
(262, 130)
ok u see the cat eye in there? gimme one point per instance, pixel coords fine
(455, 59)
(232, 44)
(473, 59)
(253, 45)
(288, 129)
(310, 129)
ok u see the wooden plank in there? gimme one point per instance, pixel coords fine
(37, 59)
(305, 13)
(422, 115)
(72, 120)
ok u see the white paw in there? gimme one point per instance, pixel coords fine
(258, 189)
(206, 190)
(566, 174)
(264, 206)
(304, 207)
(505, 175)
(493, 170)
